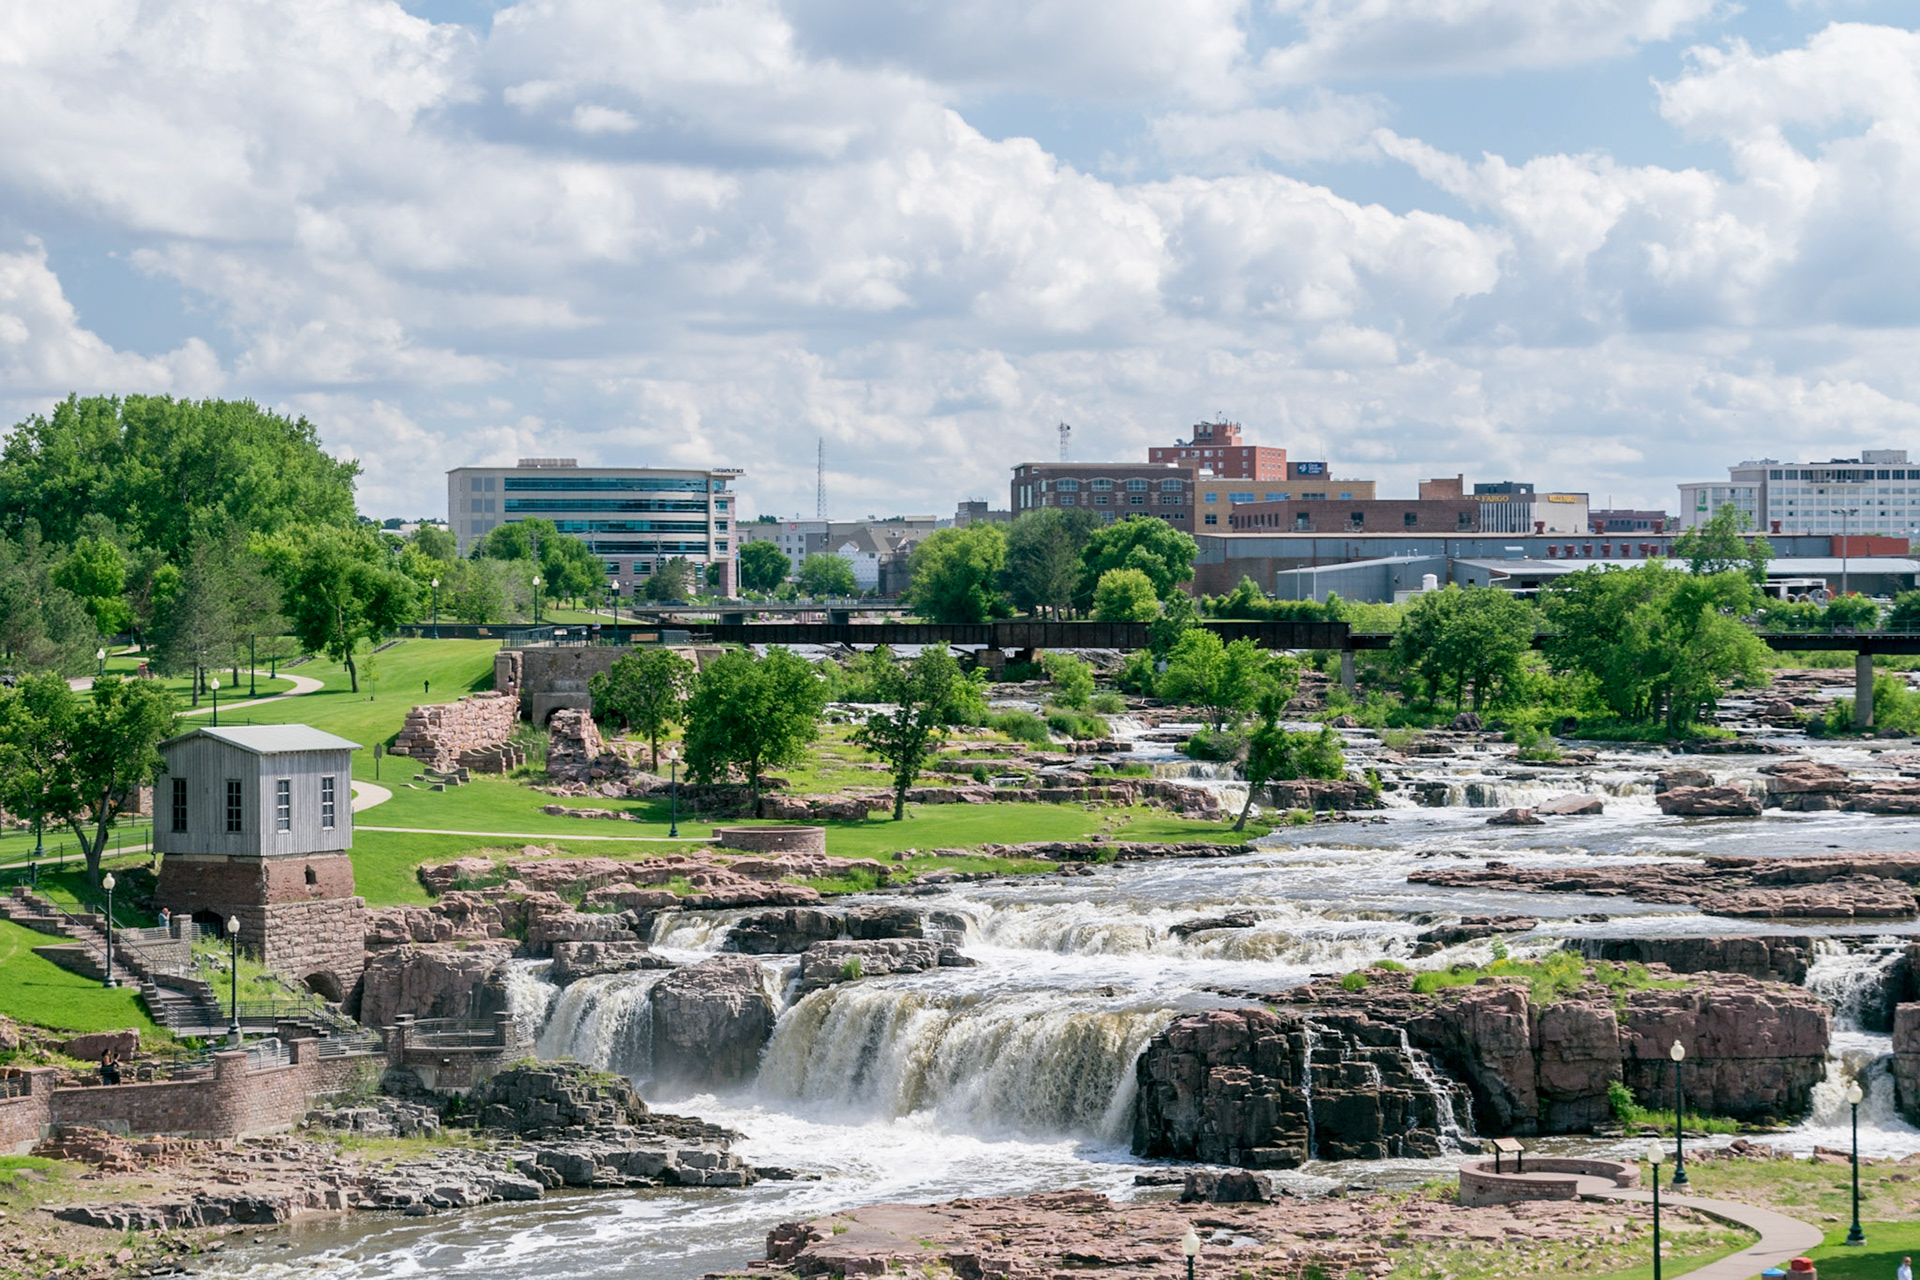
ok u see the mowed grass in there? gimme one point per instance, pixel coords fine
(37, 991)
(1887, 1243)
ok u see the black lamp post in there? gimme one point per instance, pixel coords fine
(1679, 1055)
(100, 656)
(436, 608)
(1653, 1158)
(233, 970)
(107, 884)
(213, 683)
(673, 773)
(1190, 1245)
(252, 689)
(1855, 1095)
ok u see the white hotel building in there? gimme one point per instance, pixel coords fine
(1877, 492)
(631, 517)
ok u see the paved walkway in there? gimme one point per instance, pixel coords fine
(534, 835)
(1781, 1238)
(368, 794)
(301, 684)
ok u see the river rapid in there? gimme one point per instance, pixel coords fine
(1016, 1075)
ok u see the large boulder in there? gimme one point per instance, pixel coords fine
(430, 980)
(881, 921)
(710, 1022)
(91, 1047)
(1676, 779)
(1577, 805)
(1906, 1060)
(1843, 898)
(1755, 1049)
(785, 932)
(1708, 802)
(552, 1099)
(544, 930)
(575, 960)
(826, 963)
(1321, 793)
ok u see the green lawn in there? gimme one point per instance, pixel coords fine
(37, 991)
(1887, 1243)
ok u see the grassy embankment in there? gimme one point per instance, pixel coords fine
(37, 991)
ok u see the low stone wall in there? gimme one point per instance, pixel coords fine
(1906, 1060)
(773, 839)
(1480, 1185)
(438, 734)
(231, 1101)
(24, 1119)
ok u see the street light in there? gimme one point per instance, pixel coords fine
(1843, 513)
(233, 970)
(252, 688)
(1855, 1095)
(1679, 1055)
(673, 773)
(436, 608)
(100, 656)
(213, 683)
(107, 884)
(1653, 1158)
(536, 599)
(1190, 1245)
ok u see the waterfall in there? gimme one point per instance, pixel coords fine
(605, 1021)
(1451, 1134)
(530, 996)
(1851, 979)
(1032, 1062)
(1309, 1044)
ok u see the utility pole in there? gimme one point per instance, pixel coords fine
(820, 482)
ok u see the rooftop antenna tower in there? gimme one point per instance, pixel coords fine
(1066, 442)
(820, 482)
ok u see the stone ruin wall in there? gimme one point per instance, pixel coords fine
(437, 735)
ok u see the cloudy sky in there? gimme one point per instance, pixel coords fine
(1599, 244)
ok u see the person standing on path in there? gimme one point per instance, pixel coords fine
(1906, 1270)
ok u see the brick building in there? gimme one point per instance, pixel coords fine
(1216, 447)
(1215, 497)
(1389, 516)
(1111, 490)
(254, 823)
(1622, 520)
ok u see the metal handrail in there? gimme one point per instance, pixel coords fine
(97, 943)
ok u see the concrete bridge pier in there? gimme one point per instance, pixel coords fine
(1863, 691)
(1347, 680)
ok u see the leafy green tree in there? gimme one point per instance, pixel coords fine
(1656, 642)
(435, 542)
(956, 574)
(112, 750)
(1464, 638)
(1043, 557)
(763, 566)
(1275, 754)
(43, 626)
(482, 591)
(824, 574)
(672, 580)
(170, 472)
(1718, 546)
(195, 629)
(95, 571)
(752, 713)
(1227, 681)
(36, 733)
(1905, 613)
(1125, 595)
(513, 540)
(1152, 546)
(1850, 613)
(341, 592)
(569, 570)
(1072, 679)
(1177, 617)
(645, 692)
(921, 692)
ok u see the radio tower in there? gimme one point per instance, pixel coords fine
(820, 483)
(1066, 442)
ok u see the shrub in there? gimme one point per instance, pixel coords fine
(980, 774)
(1208, 744)
(1355, 981)
(1108, 704)
(852, 970)
(1021, 726)
(1072, 679)
(1391, 966)
(1077, 725)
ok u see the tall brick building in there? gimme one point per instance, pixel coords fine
(1216, 447)
(254, 823)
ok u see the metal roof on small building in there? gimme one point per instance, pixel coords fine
(270, 739)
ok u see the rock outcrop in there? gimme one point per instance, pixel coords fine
(1708, 802)
(710, 1022)
(431, 980)
(1906, 1060)
(782, 932)
(1780, 958)
(575, 960)
(826, 963)
(440, 734)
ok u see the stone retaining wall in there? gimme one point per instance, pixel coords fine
(437, 735)
(1480, 1185)
(231, 1102)
(773, 839)
(23, 1120)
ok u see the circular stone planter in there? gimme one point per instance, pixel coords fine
(773, 839)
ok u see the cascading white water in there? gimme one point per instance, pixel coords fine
(1282, 934)
(1451, 1134)
(530, 996)
(1850, 978)
(1309, 1044)
(1883, 1131)
(605, 1021)
(1031, 1062)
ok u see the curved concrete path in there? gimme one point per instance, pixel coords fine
(538, 835)
(1781, 1238)
(368, 794)
(301, 684)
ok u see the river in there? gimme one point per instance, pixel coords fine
(1016, 1075)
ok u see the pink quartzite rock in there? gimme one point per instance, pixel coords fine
(435, 980)
(1708, 802)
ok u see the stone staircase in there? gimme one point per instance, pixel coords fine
(175, 995)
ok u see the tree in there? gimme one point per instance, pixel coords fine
(95, 572)
(824, 574)
(195, 627)
(1275, 754)
(36, 731)
(1152, 546)
(1905, 613)
(956, 574)
(645, 692)
(752, 713)
(341, 591)
(1125, 595)
(921, 692)
(480, 591)
(1718, 546)
(1467, 638)
(113, 750)
(672, 580)
(1656, 642)
(170, 472)
(43, 626)
(513, 540)
(763, 566)
(1227, 681)
(1072, 679)
(569, 569)
(1043, 557)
